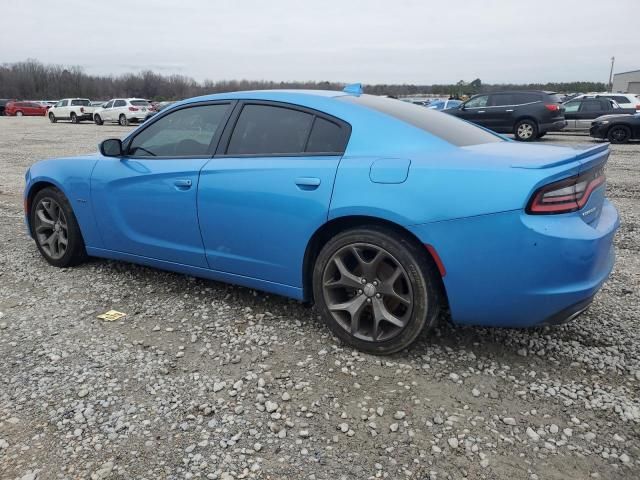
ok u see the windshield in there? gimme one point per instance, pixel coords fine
(442, 125)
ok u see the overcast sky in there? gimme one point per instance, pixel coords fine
(370, 41)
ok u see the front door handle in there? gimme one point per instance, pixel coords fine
(480, 111)
(183, 184)
(307, 183)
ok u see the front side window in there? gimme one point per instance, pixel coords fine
(186, 132)
(269, 130)
(63, 103)
(477, 102)
(109, 104)
(120, 103)
(571, 107)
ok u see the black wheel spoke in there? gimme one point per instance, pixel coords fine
(347, 279)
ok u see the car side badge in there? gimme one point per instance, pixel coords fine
(354, 89)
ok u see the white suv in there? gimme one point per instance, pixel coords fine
(625, 100)
(123, 111)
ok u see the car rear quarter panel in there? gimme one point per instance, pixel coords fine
(71, 176)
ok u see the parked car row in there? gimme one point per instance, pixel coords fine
(530, 115)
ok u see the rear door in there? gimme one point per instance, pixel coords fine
(499, 112)
(268, 189)
(145, 202)
(591, 109)
(571, 113)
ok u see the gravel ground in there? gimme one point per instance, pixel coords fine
(206, 380)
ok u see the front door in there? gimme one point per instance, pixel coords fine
(475, 110)
(145, 202)
(262, 197)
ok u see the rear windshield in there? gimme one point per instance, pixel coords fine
(80, 103)
(555, 98)
(442, 125)
(139, 103)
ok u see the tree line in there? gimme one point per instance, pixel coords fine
(34, 80)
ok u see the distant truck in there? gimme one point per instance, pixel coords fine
(74, 109)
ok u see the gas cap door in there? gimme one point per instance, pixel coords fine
(389, 170)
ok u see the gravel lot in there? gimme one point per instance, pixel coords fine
(206, 380)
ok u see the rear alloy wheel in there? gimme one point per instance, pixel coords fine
(122, 120)
(526, 130)
(619, 134)
(52, 118)
(55, 229)
(74, 118)
(375, 290)
(97, 119)
(19, 113)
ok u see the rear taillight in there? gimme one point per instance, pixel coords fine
(638, 107)
(133, 109)
(566, 195)
(552, 107)
(81, 109)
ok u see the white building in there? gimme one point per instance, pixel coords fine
(627, 82)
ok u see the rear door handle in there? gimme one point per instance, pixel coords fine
(480, 111)
(183, 184)
(308, 183)
(510, 110)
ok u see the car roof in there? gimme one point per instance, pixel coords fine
(291, 96)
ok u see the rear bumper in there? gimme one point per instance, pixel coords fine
(517, 270)
(554, 126)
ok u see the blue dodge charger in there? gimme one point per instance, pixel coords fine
(379, 211)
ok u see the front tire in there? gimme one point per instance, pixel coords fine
(97, 119)
(19, 114)
(55, 229)
(375, 289)
(619, 134)
(122, 120)
(526, 130)
(74, 118)
(52, 118)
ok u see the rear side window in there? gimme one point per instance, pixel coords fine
(269, 130)
(443, 125)
(139, 103)
(502, 99)
(326, 137)
(187, 132)
(592, 106)
(619, 99)
(80, 103)
(120, 103)
(554, 98)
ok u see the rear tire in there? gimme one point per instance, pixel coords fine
(97, 119)
(526, 130)
(619, 134)
(122, 120)
(55, 229)
(375, 289)
(52, 118)
(74, 118)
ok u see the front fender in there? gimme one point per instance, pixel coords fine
(72, 176)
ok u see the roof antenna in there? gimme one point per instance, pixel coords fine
(354, 89)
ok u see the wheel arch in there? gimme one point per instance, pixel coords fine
(336, 225)
(33, 190)
(525, 117)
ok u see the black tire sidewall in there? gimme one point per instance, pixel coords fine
(97, 119)
(618, 127)
(75, 251)
(122, 120)
(74, 118)
(52, 118)
(533, 136)
(426, 301)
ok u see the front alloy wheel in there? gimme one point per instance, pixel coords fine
(375, 289)
(55, 228)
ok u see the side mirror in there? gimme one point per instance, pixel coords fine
(112, 147)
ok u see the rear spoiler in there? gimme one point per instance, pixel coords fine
(583, 152)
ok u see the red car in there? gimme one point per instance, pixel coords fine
(19, 109)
